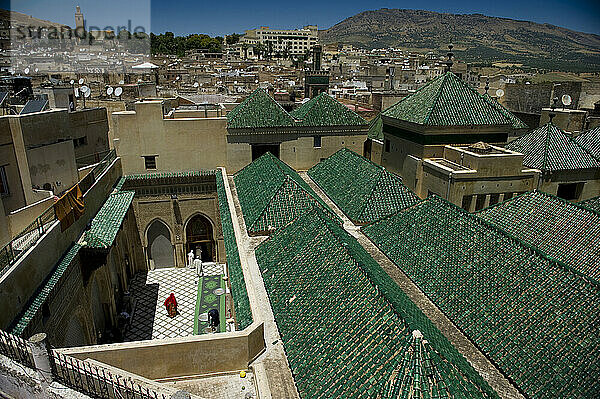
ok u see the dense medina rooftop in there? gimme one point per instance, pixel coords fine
(449, 101)
(533, 316)
(364, 191)
(344, 334)
(564, 231)
(272, 194)
(549, 149)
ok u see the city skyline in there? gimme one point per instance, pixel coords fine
(159, 17)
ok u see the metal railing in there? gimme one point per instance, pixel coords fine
(82, 376)
(98, 382)
(15, 348)
(12, 251)
(87, 160)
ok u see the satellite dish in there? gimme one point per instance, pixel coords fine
(84, 89)
(26, 71)
(139, 80)
(118, 91)
(110, 91)
(37, 70)
(499, 93)
(72, 82)
(121, 82)
(87, 93)
(196, 84)
(178, 77)
(566, 99)
(76, 92)
(81, 81)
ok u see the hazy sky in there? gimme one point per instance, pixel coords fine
(223, 17)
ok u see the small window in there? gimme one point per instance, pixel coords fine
(317, 141)
(466, 202)
(507, 196)
(3, 182)
(494, 198)
(150, 161)
(387, 145)
(480, 202)
(570, 191)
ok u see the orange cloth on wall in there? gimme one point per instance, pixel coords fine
(69, 207)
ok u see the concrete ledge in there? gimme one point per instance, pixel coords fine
(179, 357)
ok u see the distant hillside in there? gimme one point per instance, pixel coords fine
(20, 19)
(477, 38)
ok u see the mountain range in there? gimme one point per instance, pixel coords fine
(477, 38)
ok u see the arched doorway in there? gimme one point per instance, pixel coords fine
(199, 237)
(160, 249)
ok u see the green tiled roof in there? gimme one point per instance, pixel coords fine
(35, 306)
(342, 336)
(241, 304)
(592, 203)
(105, 225)
(258, 110)
(166, 175)
(515, 122)
(447, 101)
(364, 191)
(561, 229)
(590, 140)
(534, 317)
(376, 129)
(548, 148)
(323, 110)
(272, 194)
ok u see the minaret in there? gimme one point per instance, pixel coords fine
(79, 21)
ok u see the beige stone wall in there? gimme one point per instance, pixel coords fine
(53, 164)
(186, 356)
(179, 144)
(301, 154)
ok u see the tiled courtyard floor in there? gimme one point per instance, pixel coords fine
(150, 289)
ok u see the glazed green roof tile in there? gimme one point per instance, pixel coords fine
(592, 203)
(447, 101)
(166, 175)
(550, 149)
(516, 122)
(107, 222)
(376, 129)
(323, 110)
(346, 327)
(565, 231)
(534, 317)
(364, 191)
(241, 303)
(590, 140)
(272, 194)
(35, 305)
(258, 110)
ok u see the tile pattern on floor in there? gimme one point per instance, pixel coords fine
(210, 298)
(150, 289)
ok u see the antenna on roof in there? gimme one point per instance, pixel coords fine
(487, 84)
(552, 113)
(449, 63)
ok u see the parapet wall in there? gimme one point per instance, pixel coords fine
(24, 277)
(180, 357)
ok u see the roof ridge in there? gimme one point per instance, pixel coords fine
(370, 196)
(444, 78)
(527, 246)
